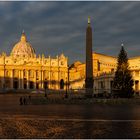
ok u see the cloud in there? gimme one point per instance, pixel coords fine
(56, 27)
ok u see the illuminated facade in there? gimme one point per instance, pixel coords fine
(22, 69)
(104, 67)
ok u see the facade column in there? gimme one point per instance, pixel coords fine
(35, 79)
(58, 78)
(19, 79)
(42, 74)
(40, 80)
(139, 87)
(11, 79)
(22, 79)
(66, 78)
(3, 78)
(27, 79)
(133, 75)
(50, 73)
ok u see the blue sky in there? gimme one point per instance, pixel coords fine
(55, 27)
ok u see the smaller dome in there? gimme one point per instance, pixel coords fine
(23, 48)
(77, 63)
(62, 56)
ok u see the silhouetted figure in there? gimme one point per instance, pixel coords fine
(66, 95)
(24, 101)
(20, 100)
(46, 95)
(29, 99)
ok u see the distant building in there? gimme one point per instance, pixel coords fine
(104, 67)
(22, 69)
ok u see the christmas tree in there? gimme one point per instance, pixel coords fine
(123, 81)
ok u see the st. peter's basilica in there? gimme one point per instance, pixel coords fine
(23, 69)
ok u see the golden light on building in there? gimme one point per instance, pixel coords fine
(23, 69)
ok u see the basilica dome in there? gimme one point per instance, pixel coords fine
(23, 48)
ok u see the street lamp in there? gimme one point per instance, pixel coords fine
(66, 94)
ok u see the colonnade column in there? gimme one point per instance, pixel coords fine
(39, 79)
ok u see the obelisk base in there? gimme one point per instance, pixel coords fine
(89, 87)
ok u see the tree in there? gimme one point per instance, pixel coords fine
(123, 81)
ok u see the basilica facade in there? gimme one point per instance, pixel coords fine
(23, 69)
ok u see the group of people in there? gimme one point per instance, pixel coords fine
(25, 100)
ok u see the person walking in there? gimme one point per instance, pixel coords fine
(29, 99)
(45, 95)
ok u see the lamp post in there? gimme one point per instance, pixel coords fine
(67, 84)
(66, 94)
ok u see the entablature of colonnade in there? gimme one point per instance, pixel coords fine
(105, 75)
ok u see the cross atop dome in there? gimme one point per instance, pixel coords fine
(23, 32)
(23, 37)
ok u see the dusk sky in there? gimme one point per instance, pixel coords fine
(53, 28)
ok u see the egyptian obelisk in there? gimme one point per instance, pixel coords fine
(89, 61)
